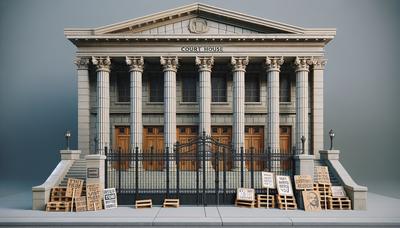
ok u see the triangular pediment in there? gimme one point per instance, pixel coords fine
(198, 19)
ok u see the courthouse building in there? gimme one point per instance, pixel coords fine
(167, 77)
(197, 101)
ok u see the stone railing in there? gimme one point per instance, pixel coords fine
(41, 193)
(357, 193)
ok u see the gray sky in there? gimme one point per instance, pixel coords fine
(38, 78)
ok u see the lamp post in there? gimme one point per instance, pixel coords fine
(331, 136)
(303, 140)
(67, 136)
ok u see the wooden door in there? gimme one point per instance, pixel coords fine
(254, 140)
(153, 148)
(187, 155)
(122, 141)
(222, 134)
(285, 141)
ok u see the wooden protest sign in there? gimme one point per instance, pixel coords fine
(311, 201)
(267, 180)
(93, 197)
(338, 191)
(110, 198)
(322, 174)
(80, 204)
(247, 194)
(284, 185)
(303, 182)
(74, 187)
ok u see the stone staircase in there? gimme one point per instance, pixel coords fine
(77, 170)
(334, 179)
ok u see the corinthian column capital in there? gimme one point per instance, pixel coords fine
(204, 63)
(135, 63)
(101, 63)
(169, 63)
(239, 63)
(302, 63)
(319, 63)
(82, 63)
(273, 63)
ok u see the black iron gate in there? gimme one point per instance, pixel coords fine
(201, 172)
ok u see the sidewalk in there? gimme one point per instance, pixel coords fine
(383, 211)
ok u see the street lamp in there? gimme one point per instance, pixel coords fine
(67, 136)
(303, 140)
(331, 135)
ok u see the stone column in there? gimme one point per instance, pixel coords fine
(239, 69)
(170, 65)
(136, 69)
(103, 102)
(205, 64)
(83, 105)
(273, 69)
(318, 106)
(302, 119)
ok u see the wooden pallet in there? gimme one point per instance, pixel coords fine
(244, 203)
(171, 203)
(58, 206)
(265, 201)
(323, 189)
(58, 195)
(340, 203)
(147, 203)
(327, 205)
(288, 204)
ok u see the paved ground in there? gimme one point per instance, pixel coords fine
(15, 212)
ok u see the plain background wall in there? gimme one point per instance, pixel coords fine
(38, 85)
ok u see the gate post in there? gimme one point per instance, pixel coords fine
(241, 167)
(203, 139)
(252, 167)
(217, 176)
(224, 175)
(177, 168)
(197, 176)
(167, 167)
(95, 170)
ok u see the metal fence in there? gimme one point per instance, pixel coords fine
(201, 172)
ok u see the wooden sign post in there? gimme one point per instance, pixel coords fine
(284, 186)
(74, 189)
(268, 182)
(322, 175)
(93, 197)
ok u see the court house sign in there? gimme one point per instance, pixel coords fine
(202, 49)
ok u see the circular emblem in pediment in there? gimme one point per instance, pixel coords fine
(198, 25)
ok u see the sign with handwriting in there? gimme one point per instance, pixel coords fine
(80, 204)
(247, 194)
(267, 180)
(322, 174)
(338, 191)
(303, 182)
(110, 198)
(284, 185)
(74, 187)
(93, 197)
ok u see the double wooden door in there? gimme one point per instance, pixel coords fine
(122, 135)
(222, 134)
(153, 148)
(187, 154)
(254, 141)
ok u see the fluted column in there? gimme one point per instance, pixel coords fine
(318, 106)
(170, 65)
(302, 118)
(83, 105)
(273, 68)
(136, 126)
(205, 64)
(103, 102)
(239, 69)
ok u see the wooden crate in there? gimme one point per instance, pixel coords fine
(340, 203)
(147, 203)
(171, 203)
(289, 204)
(244, 203)
(58, 206)
(265, 200)
(57, 194)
